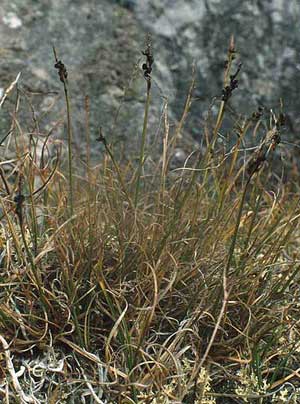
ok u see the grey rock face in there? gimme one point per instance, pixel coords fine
(97, 41)
(100, 42)
(267, 42)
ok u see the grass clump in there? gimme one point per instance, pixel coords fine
(161, 286)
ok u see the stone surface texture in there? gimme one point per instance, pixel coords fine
(100, 41)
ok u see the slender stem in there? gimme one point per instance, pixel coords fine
(63, 74)
(142, 150)
(89, 177)
(70, 157)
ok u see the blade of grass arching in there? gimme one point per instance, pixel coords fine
(114, 332)
(86, 332)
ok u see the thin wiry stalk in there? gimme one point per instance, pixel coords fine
(142, 150)
(70, 157)
(147, 68)
(63, 78)
(89, 176)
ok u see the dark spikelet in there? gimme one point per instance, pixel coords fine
(62, 70)
(101, 137)
(147, 66)
(227, 90)
(19, 200)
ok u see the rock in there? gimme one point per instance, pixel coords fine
(100, 42)
(199, 30)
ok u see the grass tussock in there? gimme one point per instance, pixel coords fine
(135, 283)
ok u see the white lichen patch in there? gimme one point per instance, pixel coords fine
(249, 385)
(12, 20)
(171, 390)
